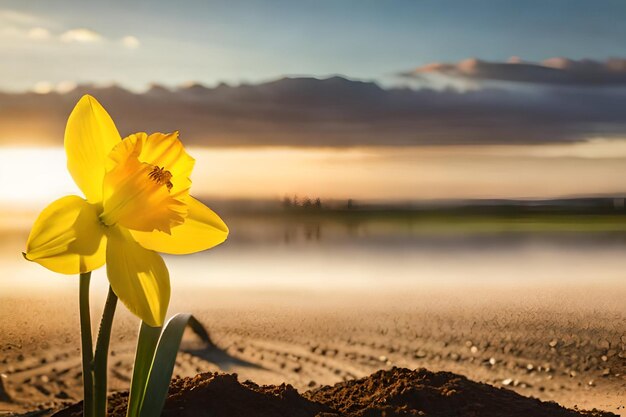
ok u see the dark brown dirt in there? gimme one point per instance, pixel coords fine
(213, 394)
(395, 392)
(403, 392)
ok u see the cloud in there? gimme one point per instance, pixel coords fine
(330, 112)
(38, 33)
(18, 18)
(130, 42)
(43, 87)
(65, 87)
(47, 87)
(556, 71)
(19, 25)
(81, 35)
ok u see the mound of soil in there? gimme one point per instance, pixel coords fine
(395, 392)
(403, 392)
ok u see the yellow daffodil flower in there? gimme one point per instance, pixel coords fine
(137, 204)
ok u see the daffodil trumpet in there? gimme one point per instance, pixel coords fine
(137, 204)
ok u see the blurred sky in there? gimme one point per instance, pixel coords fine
(547, 129)
(137, 42)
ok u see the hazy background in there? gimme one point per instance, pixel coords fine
(388, 113)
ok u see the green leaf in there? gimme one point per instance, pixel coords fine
(163, 365)
(146, 345)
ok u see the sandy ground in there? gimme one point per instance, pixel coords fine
(563, 345)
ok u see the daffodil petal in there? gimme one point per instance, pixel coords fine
(67, 237)
(201, 230)
(90, 135)
(138, 277)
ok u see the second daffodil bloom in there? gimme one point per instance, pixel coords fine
(137, 204)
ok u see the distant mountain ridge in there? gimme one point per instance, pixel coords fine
(335, 111)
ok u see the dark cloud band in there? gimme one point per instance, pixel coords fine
(330, 112)
(558, 71)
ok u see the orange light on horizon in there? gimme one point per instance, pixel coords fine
(33, 176)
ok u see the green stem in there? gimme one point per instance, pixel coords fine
(144, 357)
(86, 345)
(102, 355)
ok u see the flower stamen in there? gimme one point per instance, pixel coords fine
(161, 176)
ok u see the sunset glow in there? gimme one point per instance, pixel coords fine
(32, 176)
